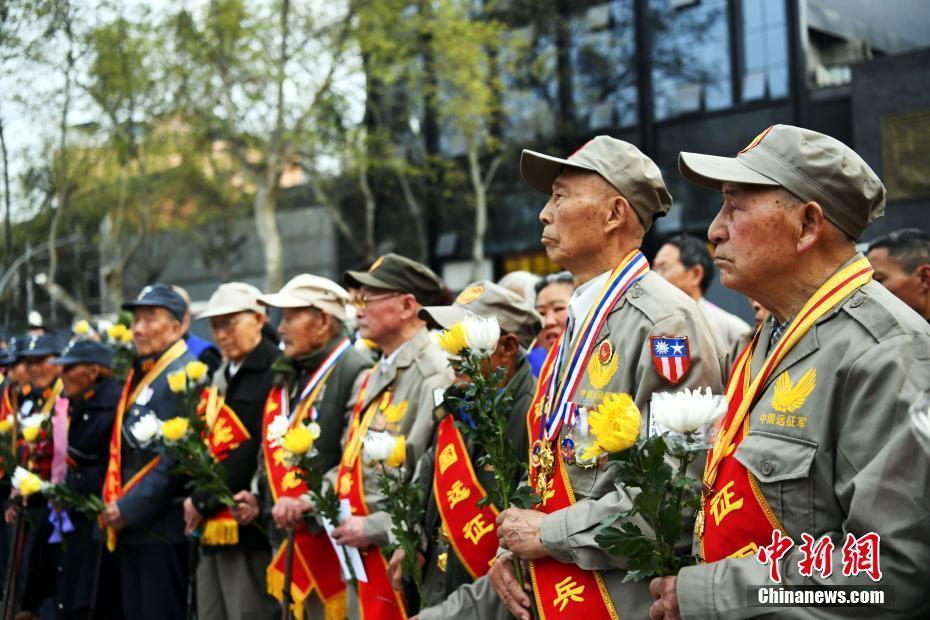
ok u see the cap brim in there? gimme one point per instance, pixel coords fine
(442, 316)
(713, 171)
(212, 312)
(278, 300)
(67, 361)
(358, 279)
(540, 170)
(37, 353)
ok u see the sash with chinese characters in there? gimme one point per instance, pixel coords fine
(457, 491)
(561, 590)
(113, 486)
(226, 433)
(315, 565)
(735, 518)
(377, 599)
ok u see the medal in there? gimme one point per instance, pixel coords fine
(542, 460)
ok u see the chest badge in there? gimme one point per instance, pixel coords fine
(603, 365)
(790, 396)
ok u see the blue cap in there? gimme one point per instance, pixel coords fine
(6, 356)
(86, 352)
(39, 346)
(159, 296)
(13, 348)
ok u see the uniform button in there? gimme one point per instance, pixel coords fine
(636, 292)
(856, 301)
(767, 467)
(86, 417)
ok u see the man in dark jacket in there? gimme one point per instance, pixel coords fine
(93, 396)
(143, 497)
(231, 572)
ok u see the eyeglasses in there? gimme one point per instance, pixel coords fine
(361, 302)
(227, 324)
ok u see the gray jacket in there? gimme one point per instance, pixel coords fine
(854, 465)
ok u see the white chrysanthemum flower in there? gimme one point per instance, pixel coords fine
(688, 411)
(146, 429)
(277, 429)
(27, 482)
(481, 334)
(377, 446)
(920, 420)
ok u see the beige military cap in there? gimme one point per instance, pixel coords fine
(306, 290)
(621, 164)
(486, 299)
(233, 297)
(810, 165)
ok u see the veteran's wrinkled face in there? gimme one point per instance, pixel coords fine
(755, 235)
(154, 329)
(77, 378)
(237, 334)
(304, 330)
(381, 314)
(574, 219)
(42, 373)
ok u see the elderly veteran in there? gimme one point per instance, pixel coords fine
(231, 570)
(396, 396)
(314, 380)
(455, 556)
(629, 332)
(815, 449)
(143, 497)
(93, 395)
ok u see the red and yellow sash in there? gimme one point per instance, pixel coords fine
(735, 517)
(561, 589)
(9, 407)
(377, 599)
(226, 433)
(457, 491)
(113, 486)
(315, 564)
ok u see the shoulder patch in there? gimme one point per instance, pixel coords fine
(671, 357)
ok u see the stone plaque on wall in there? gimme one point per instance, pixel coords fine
(906, 155)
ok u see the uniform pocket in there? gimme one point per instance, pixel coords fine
(782, 468)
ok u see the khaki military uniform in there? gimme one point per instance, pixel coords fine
(844, 461)
(419, 369)
(652, 307)
(441, 598)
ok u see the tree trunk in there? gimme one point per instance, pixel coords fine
(264, 207)
(481, 212)
(369, 213)
(8, 221)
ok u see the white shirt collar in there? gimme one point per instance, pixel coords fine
(585, 295)
(388, 361)
(233, 368)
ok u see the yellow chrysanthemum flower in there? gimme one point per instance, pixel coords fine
(31, 433)
(453, 340)
(81, 327)
(298, 440)
(6, 425)
(175, 429)
(126, 338)
(118, 332)
(177, 381)
(196, 370)
(399, 455)
(30, 484)
(614, 425)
